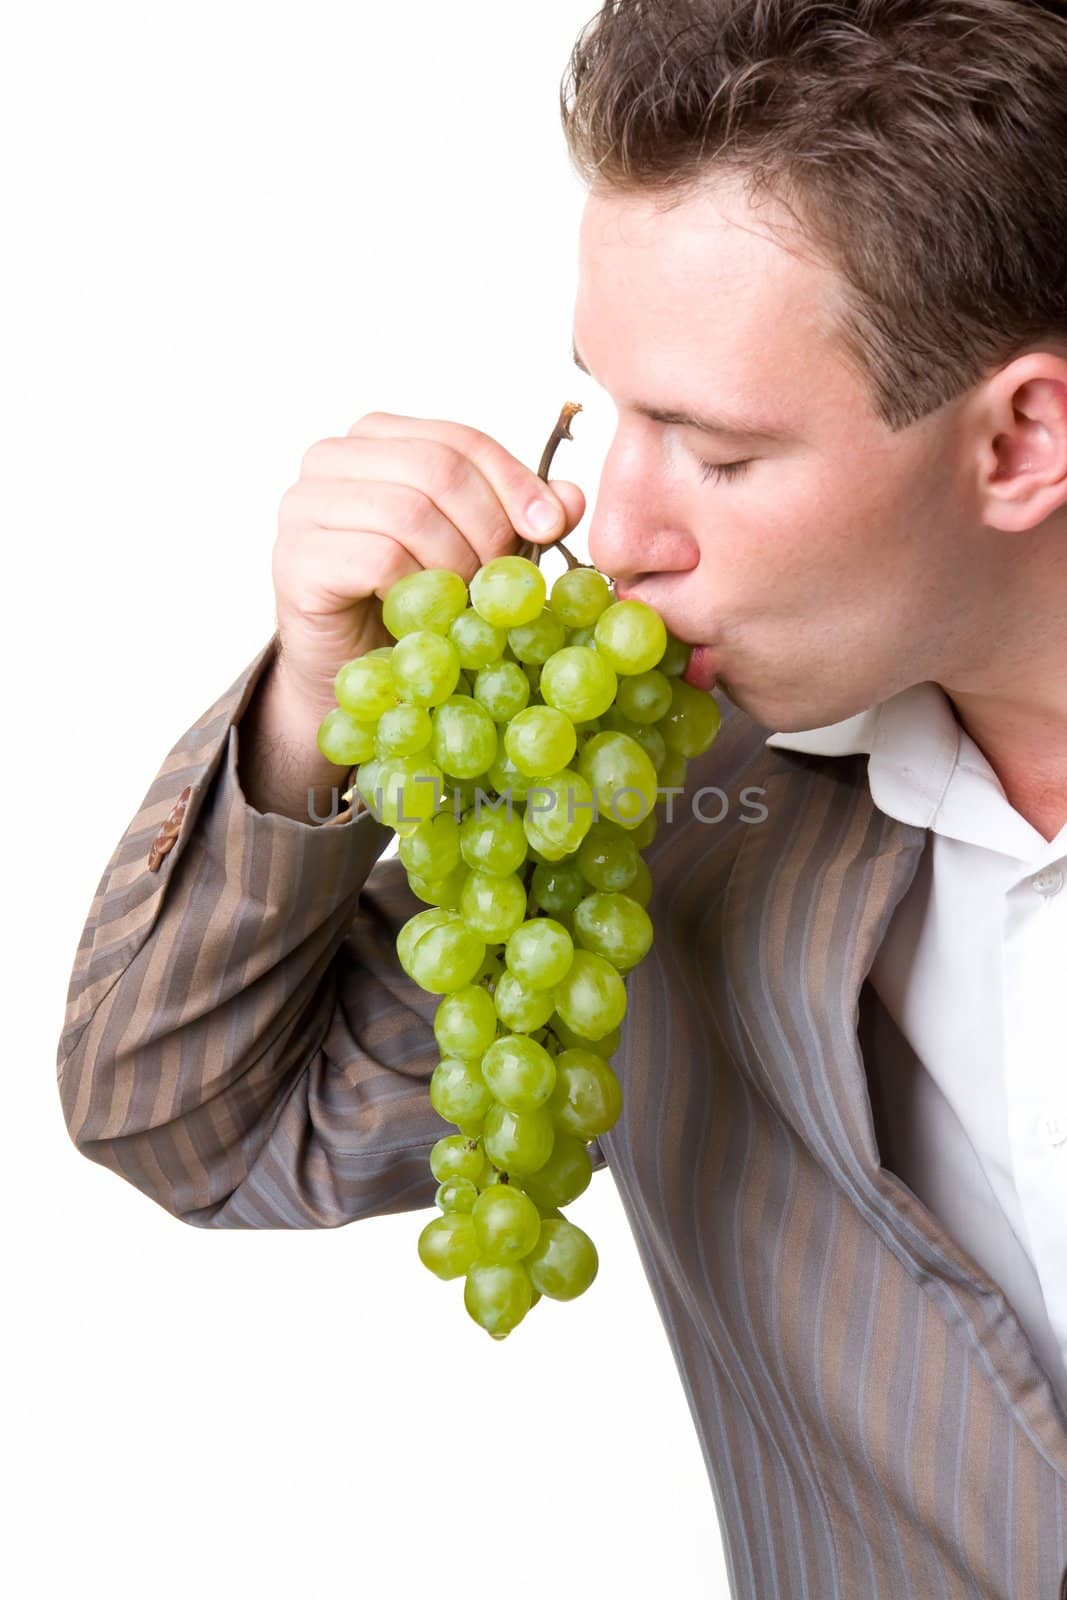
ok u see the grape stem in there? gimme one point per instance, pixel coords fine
(562, 430)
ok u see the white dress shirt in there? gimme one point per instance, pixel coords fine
(970, 971)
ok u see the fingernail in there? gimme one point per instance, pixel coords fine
(543, 516)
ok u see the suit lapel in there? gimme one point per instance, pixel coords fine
(809, 900)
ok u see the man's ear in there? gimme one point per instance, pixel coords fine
(1023, 444)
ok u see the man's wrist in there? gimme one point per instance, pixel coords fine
(280, 766)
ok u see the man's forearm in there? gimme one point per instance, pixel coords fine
(279, 761)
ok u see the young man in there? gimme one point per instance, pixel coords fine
(823, 278)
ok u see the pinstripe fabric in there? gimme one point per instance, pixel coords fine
(241, 1045)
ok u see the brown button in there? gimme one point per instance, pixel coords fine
(168, 833)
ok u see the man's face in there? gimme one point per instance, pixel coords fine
(839, 565)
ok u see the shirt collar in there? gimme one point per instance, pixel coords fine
(926, 770)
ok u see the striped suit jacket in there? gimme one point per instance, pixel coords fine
(241, 1044)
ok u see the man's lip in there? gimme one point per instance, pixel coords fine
(700, 672)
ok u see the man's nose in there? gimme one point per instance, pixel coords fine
(615, 541)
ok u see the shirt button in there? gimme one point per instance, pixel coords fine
(1052, 1129)
(1048, 882)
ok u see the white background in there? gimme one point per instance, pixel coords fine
(234, 229)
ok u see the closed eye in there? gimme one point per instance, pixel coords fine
(722, 470)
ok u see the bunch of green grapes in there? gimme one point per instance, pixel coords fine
(518, 743)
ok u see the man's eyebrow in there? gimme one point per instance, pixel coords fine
(737, 427)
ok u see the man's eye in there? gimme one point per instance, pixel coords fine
(720, 470)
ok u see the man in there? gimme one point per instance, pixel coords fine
(823, 279)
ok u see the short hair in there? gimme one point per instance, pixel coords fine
(922, 144)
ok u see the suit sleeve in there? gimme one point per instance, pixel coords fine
(240, 1042)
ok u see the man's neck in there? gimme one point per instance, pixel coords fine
(1028, 753)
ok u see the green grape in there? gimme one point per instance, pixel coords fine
(464, 738)
(533, 642)
(446, 957)
(671, 773)
(645, 832)
(579, 682)
(675, 658)
(640, 886)
(369, 785)
(507, 780)
(493, 906)
(558, 886)
(539, 953)
(621, 776)
(615, 927)
(521, 1009)
(366, 687)
(448, 1245)
(446, 892)
(343, 740)
(492, 841)
(403, 730)
(645, 696)
(579, 596)
(411, 788)
(585, 637)
(497, 1294)
(631, 635)
(432, 851)
(457, 1156)
(506, 1223)
(692, 722)
(459, 1194)
(652, 743)
(532, 670)
(563, 1262)
(465, 1024)
(517, 1141)
(459, 1093)
(570, 1040)
(476, 642)
(540, 741)
(607, 857)
(518, 1072)
(508, 591)
(591, 999)
(413, 930)
(425, 668)
(565, 1175)
(559, 814)
(503, 690)
(587, 1097)
(423, 600)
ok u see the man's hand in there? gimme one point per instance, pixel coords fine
(395, 495)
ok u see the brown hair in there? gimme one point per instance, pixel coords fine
(922, 142)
